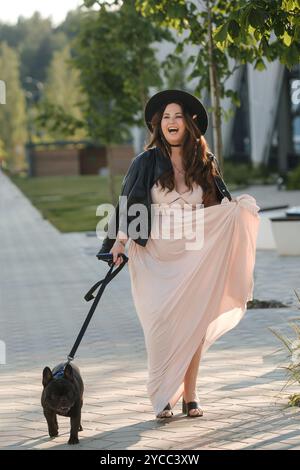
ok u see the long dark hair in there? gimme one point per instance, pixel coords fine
(196, 163)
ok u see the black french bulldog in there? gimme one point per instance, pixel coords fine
(63, 395)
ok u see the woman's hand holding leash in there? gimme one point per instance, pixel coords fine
(118, 247)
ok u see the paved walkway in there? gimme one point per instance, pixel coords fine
(43, 278)
(270, 196)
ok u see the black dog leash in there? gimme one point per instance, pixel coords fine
(89, 296)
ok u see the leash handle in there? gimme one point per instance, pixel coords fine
(89, 295)
(103, 283)
(108, 257)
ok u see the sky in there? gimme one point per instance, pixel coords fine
(10, 10)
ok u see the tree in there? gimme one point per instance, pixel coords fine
(262, 29)
(222, 29)
(175, 72)
(2, 154)
(61, 98)
(12, 114)
(117, 64)
(36, 40)
(209, 65)
(71, 24)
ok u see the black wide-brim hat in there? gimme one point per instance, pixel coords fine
(192, 104)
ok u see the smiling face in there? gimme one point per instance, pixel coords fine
(173, 124)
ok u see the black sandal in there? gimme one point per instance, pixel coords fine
(191, 405)
(168, 407)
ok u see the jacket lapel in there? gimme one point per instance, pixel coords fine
(161, 163)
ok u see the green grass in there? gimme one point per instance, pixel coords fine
(69, 203)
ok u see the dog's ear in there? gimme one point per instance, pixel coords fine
(68, 373)
(47, 376)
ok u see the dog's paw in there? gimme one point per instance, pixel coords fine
(73, 440)
(53, 433)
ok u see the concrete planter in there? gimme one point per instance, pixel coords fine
(265, 239)
(286, 232)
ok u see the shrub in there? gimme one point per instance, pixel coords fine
(246, 174)
(293, 178)
(292, 346)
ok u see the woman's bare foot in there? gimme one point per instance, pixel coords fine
(166, 412)
(193, 397)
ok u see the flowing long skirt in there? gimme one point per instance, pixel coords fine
(186, 296)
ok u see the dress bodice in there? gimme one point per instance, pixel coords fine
(192, 197)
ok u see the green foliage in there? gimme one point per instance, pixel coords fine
(241, 30)
(41, 53)
(245, 174)
(174, 68)
(185, 17)
(236, 173)
(262, 29)
(12, 114)
(293, 178)
(57, 122)
(168, 14)
(59, 110)
(294, 400)
(37, 40)
(117, 64)
(3, 153)
(292, 347)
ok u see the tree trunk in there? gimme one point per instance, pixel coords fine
(214, 93)
(111, 183)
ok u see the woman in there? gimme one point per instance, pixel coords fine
(187, 291)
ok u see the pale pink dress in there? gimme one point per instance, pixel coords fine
(186, 296)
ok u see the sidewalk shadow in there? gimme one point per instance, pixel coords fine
(130, 435)
(266, 430)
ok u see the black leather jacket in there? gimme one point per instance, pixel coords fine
(144, 171)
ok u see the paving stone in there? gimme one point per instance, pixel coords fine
(42, 309)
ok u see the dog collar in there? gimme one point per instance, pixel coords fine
(59, 374)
